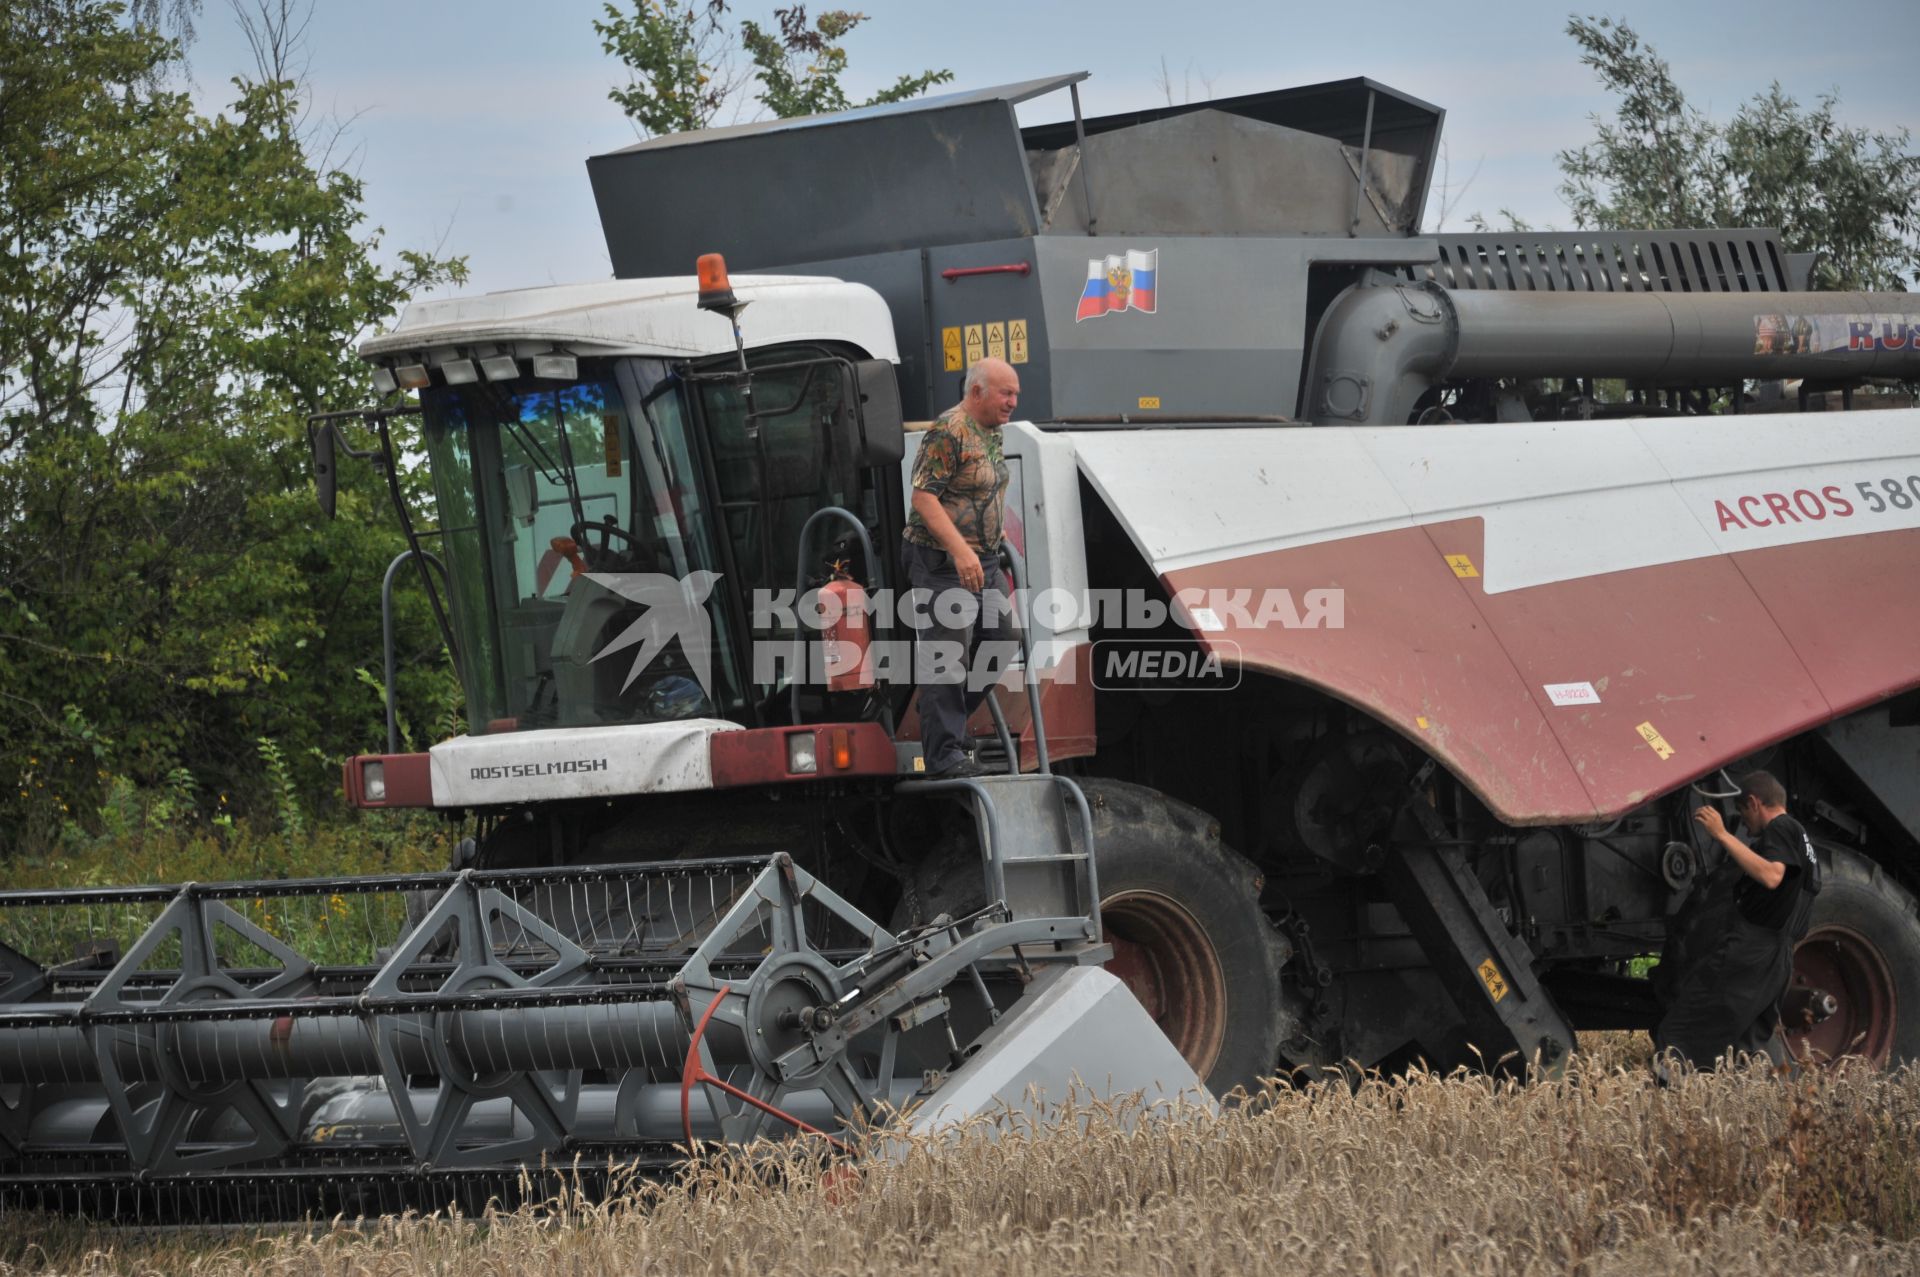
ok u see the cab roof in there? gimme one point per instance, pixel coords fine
(658, 317)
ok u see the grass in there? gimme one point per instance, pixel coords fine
(1600, 1172)
(326, 927)
(238, 850)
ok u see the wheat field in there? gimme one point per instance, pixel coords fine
(1598, 1172)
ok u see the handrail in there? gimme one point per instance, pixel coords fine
(1006, 736)
(386, 632)
(800, 587)
(1008, 558)
(993, 850)
(967, 272)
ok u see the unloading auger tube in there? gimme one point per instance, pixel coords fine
(1384, 343)
(286, 1048)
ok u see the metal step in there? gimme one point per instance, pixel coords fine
(1036, 838)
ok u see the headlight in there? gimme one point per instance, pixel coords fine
(373, 781)
(800, 758)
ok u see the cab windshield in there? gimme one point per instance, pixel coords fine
(581, 555)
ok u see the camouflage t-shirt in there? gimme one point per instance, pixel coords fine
(960, 462)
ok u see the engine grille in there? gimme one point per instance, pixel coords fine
(1710, 261)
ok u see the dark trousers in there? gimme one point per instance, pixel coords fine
(963, 641)
(1727, 999)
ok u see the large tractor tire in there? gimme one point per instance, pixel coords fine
(1182, 911)
(1863, 947)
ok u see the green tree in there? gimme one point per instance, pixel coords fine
(1849, 194)
(677, 62)
(681, 60)
(177, 291)
(800, 66)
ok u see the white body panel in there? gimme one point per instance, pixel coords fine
(1560, 500)
(1076, 1036)
(574, 762)
(1043, 524)
(646, 317)
(1044, 528)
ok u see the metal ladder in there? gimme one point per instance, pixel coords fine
(1036, 845)
(1035, 831)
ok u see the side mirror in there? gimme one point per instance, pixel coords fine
(883, 428)
(320, 435)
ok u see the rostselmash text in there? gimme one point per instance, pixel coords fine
(513, 771)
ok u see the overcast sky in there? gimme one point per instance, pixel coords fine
(471, 121)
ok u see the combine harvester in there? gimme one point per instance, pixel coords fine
(1462, 645)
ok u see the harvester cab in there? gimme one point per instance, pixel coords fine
(614, 521)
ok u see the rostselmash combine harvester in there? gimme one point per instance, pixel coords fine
(1486, 638)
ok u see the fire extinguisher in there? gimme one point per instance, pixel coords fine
(847, 635)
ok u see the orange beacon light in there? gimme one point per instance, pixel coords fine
(716, 290)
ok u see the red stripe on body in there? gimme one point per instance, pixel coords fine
(1723, 655)
(758, 756)
(1066, 702)
(409, 780)
(1413, 647)
(1851, 609)
(1684, 646)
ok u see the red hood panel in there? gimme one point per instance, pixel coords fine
(1717, 656)
(1414, 649)
(1850, 608)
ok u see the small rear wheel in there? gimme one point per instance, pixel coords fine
(1862, 947)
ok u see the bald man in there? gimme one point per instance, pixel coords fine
(952, 555)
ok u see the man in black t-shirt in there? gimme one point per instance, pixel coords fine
(1727, 1000)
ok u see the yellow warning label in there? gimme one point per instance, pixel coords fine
(997, 340)
(1149, 403)
(976, 344)
(1490, 976)
(610, 437)
(950, 349)
(1651, 734)
(1420, 720)
(1462, 565)
(1016, 341)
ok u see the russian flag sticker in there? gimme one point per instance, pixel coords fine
(1124, 281)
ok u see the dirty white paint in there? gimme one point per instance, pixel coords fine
(574, 762)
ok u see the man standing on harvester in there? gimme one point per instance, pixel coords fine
(1739, 954)
(951, 554)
